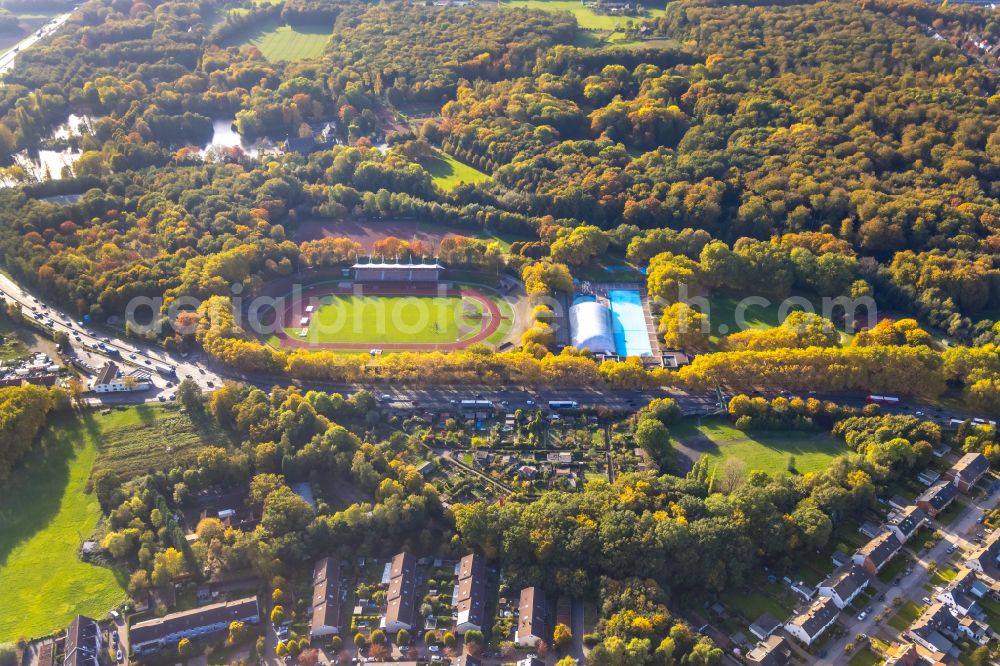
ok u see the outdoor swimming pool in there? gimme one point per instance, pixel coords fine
(629, 323)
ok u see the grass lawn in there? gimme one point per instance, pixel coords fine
(139, 439)
(726, 315)
(905, 616)
(753, 605)
(375, 320)
(992, 609)
(448, 172)
(585, 17)
(44, 517)
(766, 451)
(864, 657)
(948, 516)
(283, 42)
(894, 568)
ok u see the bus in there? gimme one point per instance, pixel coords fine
(563, 404)
(882, 400)
(476, 404)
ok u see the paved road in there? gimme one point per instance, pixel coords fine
(7, 59)
(911, 586)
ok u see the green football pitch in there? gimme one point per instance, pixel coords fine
(376, 320)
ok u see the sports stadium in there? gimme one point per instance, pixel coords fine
(387, 306)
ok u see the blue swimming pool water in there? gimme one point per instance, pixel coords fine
(629, 323)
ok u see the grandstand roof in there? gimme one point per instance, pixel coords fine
(386, 265)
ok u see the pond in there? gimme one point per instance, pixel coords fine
(225, 136)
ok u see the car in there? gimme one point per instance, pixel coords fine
(188, 377)
(434, 648)
(147, 362)
(881, 597)
(119, 657)
(529, 403)
(161, 398)
(862, 615)
(925, 600)
(115, 615)
(869, 610)
(385, 397)
(210, 384)
(169, 384)
(132, 356)
(172, 396)
(952, 548)
(114, 638)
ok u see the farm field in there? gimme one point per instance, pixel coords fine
(283, 42)
(138, 439)
(449, 172)
(760, 450)
(44, 516)
(585, 17)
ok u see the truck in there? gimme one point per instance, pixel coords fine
(882, 400)
(165, 370)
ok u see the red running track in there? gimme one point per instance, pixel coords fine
(294, 309)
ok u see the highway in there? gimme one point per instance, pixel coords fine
(8, 57)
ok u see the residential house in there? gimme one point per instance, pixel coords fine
(878, 552)
(326, 598)
(84, 642)
(974, 629)
(870, 529)
(936, 499)
(811, 624)
(968, 470)
(844, 585)
(907, 522)
(928, 477)
(986, 559)
(901, 654)
(402, 595)
(800, 588)
(470, 594)
(935, 629)
(839, 558)
(962, 593)
(530, 617)
(774, 651)
(764, 626)
(151, 636)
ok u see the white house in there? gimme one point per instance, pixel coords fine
(844, 585)
(810, 625)
(111, 380)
